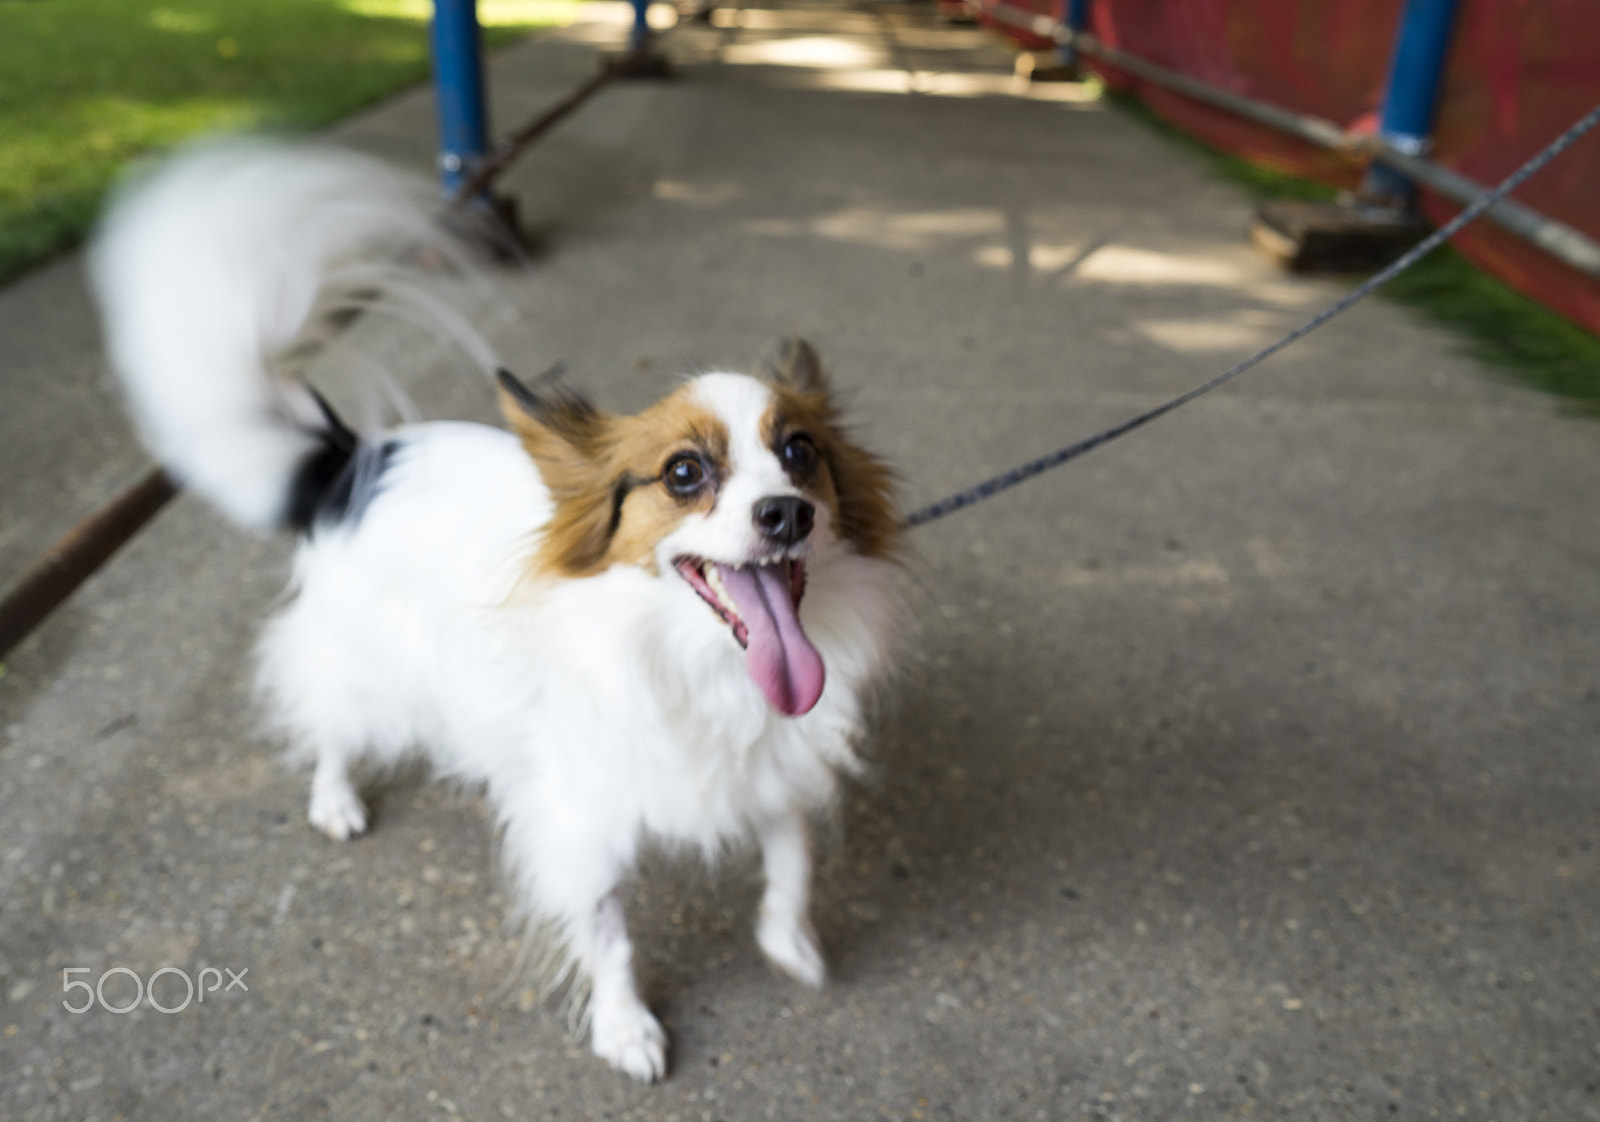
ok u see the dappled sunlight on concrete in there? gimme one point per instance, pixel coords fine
(870, 62)
(491, 13)
(1239, 332)
(696, 194)
(864, 50)
(820, 51)
(793, 19)
(885, 228)
(1090, 260)
(1120, 264)
(936, 83)
(598, 22)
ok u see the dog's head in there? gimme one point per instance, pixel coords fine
(729, 487)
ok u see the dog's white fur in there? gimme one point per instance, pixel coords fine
(597, 712)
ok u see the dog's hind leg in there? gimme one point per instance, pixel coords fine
(336, 806)
(312, 680)
(784, 930)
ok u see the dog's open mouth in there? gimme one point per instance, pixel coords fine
(761, 604)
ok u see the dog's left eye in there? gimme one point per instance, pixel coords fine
(800, 454)
(684, 474)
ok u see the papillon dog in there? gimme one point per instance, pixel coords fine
(653, 629)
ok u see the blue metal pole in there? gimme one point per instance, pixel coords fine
(639, 37)
(458, 89)
(1076, 17)
(1422, 44)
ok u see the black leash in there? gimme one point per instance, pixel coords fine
(1006, 480)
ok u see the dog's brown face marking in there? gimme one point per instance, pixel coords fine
(856, 485)
(620, 484)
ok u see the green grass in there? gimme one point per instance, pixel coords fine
(1504, 329)
(87, 85)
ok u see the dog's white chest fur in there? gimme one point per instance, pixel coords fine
(417, 630)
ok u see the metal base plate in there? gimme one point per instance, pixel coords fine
(1318, 237)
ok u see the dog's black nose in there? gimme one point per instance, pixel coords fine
(785, 520)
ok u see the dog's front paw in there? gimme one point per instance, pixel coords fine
(337, 810)
(791, 945)
(630, 1039)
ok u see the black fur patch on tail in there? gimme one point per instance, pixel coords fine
(324, 491)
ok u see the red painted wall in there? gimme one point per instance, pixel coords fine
(1519, 72)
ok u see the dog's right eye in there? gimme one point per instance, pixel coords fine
(684, 474)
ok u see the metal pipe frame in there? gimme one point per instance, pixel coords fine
(458, 89)
(1405, 122)
(1077, 13)
(56, 573)
(1569, 246)
(639, 33)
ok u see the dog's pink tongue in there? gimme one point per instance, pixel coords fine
(777, 653)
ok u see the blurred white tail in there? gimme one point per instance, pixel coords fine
(206, 270)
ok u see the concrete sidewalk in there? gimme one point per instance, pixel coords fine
(1245, 769)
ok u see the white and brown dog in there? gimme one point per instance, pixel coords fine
(659, 627)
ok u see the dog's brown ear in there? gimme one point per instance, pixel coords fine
(556, 412)
(797, 367)
(518, 393)
(570, 440)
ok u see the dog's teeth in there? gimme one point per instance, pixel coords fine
(714, 581)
